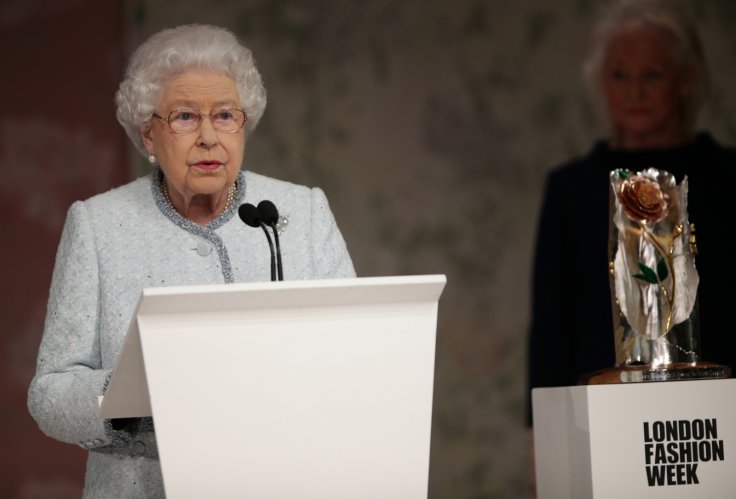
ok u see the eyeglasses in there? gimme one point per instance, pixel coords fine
(185, 121)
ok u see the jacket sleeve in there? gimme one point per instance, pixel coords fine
(62, 397)
(328, 252)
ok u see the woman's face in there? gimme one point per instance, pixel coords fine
(203, 162)
(644, 87)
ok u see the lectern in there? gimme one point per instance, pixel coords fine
(309, 389)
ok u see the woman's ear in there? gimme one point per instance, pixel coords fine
(147, 139)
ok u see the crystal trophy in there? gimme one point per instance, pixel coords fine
(654, 282)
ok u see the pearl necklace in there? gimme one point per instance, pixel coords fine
(230, 195)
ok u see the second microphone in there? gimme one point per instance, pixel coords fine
(265, 215)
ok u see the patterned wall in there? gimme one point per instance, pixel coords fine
(430, 125)
(58, 142)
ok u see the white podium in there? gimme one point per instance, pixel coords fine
(673, 439)
(308, 389)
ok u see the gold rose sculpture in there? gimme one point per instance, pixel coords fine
(654, 281)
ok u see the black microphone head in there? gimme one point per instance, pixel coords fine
(250, 215)
(268, 211)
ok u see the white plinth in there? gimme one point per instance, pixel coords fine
(640, 440)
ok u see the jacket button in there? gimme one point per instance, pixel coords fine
(203, 248)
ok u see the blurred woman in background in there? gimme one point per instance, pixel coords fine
(648, 71)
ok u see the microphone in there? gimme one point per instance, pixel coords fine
(252, 217)
(271, 217)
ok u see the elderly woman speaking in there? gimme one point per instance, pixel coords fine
(190, 98)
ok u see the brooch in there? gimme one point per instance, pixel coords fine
(282, 224)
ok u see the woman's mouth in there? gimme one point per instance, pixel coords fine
(207, 165)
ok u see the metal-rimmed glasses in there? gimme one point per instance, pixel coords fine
(185, 121)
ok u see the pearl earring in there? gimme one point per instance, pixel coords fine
(152, 159)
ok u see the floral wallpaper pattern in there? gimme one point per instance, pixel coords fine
(430, 125)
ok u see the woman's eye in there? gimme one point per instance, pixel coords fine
(224, 115)
(618, 75)
(185, 116)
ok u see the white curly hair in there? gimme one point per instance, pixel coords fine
(169, 53)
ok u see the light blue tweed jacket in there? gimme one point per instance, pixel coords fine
(115, 244)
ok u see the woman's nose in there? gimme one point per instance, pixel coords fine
(637, 88)
(207, 135)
